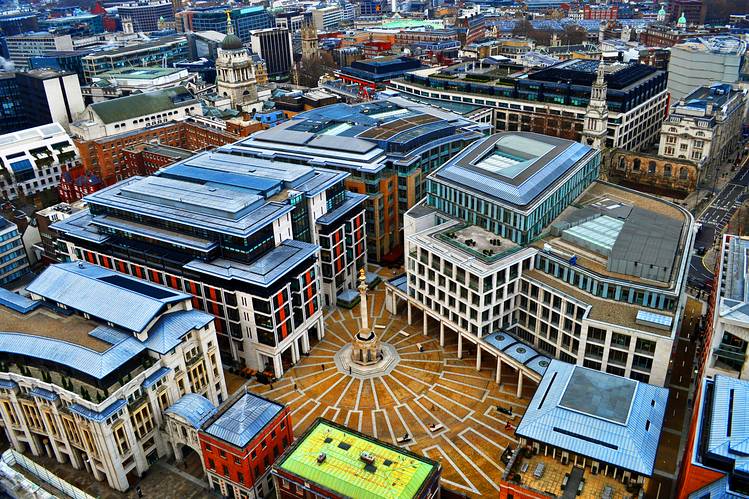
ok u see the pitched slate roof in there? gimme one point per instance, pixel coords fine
(605, 417)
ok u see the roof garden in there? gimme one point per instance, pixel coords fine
(476, 241)
(391, 473)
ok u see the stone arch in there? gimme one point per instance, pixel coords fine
(636, 165)
(667, 170)
(622, 163)
(683, 173)
(651, 167)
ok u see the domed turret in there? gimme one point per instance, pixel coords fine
(230, 41)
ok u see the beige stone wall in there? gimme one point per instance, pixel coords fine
(650, 172)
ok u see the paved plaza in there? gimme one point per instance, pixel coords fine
(428, 387)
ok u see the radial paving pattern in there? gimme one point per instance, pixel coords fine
(424, 388)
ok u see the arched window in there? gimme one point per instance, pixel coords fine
(622, 164)
(651, 167)
(636, 165)
(683, 173)
(667, 170)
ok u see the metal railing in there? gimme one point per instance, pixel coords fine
(13, 458)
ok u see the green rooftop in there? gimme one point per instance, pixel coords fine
(133, 106)
(395, 473)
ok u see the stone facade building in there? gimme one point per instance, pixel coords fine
(651, 173)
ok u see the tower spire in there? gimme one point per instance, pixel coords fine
(229, 25)
(597, 113)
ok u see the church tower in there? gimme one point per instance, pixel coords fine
(309, 41)
(597, 113)
(235, 76)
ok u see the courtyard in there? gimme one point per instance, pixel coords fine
(444, 404)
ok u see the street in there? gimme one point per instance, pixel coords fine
(713, 219)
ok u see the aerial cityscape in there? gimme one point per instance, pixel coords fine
(363, 249)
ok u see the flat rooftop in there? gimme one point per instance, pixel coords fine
(734, 289)
(514, 168)
(395, 472)
(621, 234)
(608, 311)
(476, 241)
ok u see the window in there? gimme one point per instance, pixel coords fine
(620, 340)
(651, 167)
(225, 470)
(211, 464)
(683, 173)
(667, 170)
(636, 165)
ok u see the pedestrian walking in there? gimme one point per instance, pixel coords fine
(138, 491)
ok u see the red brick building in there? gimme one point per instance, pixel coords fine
(601, 12)
(145, 159)
(240, 443)
(105, 157)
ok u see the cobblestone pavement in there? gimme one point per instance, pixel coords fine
(426, 387)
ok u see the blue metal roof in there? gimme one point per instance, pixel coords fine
(84, 360)
(719, 489)
(352, 199)
(193, 408)
(518, 350)
(45, 394)
(6, 383)
(728, 431)
(16, 302)
(185, 171)
(155, 376)
(96, 415)
(244, 419)
(538, 175)
(168, 331)
(262, 272)
(102, 293)
(581, 410)
(21, 166)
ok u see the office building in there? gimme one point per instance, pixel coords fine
(146, 159)
(374, 74)
(553, 100)
(94, 392)
(243, 19)
(387, 146)
(50, 97)
(15, 23)
(23, 47)
(14, 262)
(32, 160)
(48, 247)
(273, 45)
(145, 15)
(727, 334)
(713, 460)
(162, 51)
(243, 236)
(518, 246)
(82, 24)
(586, 433)
(332, 461)
(134, 112)
(240, 443)
(327, 18)
(12, 115)
(705, 127)
(108, 157)
(703, 61)
(692, 10)
(293, 20)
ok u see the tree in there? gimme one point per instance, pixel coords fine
(573, 35)
(312, 68)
